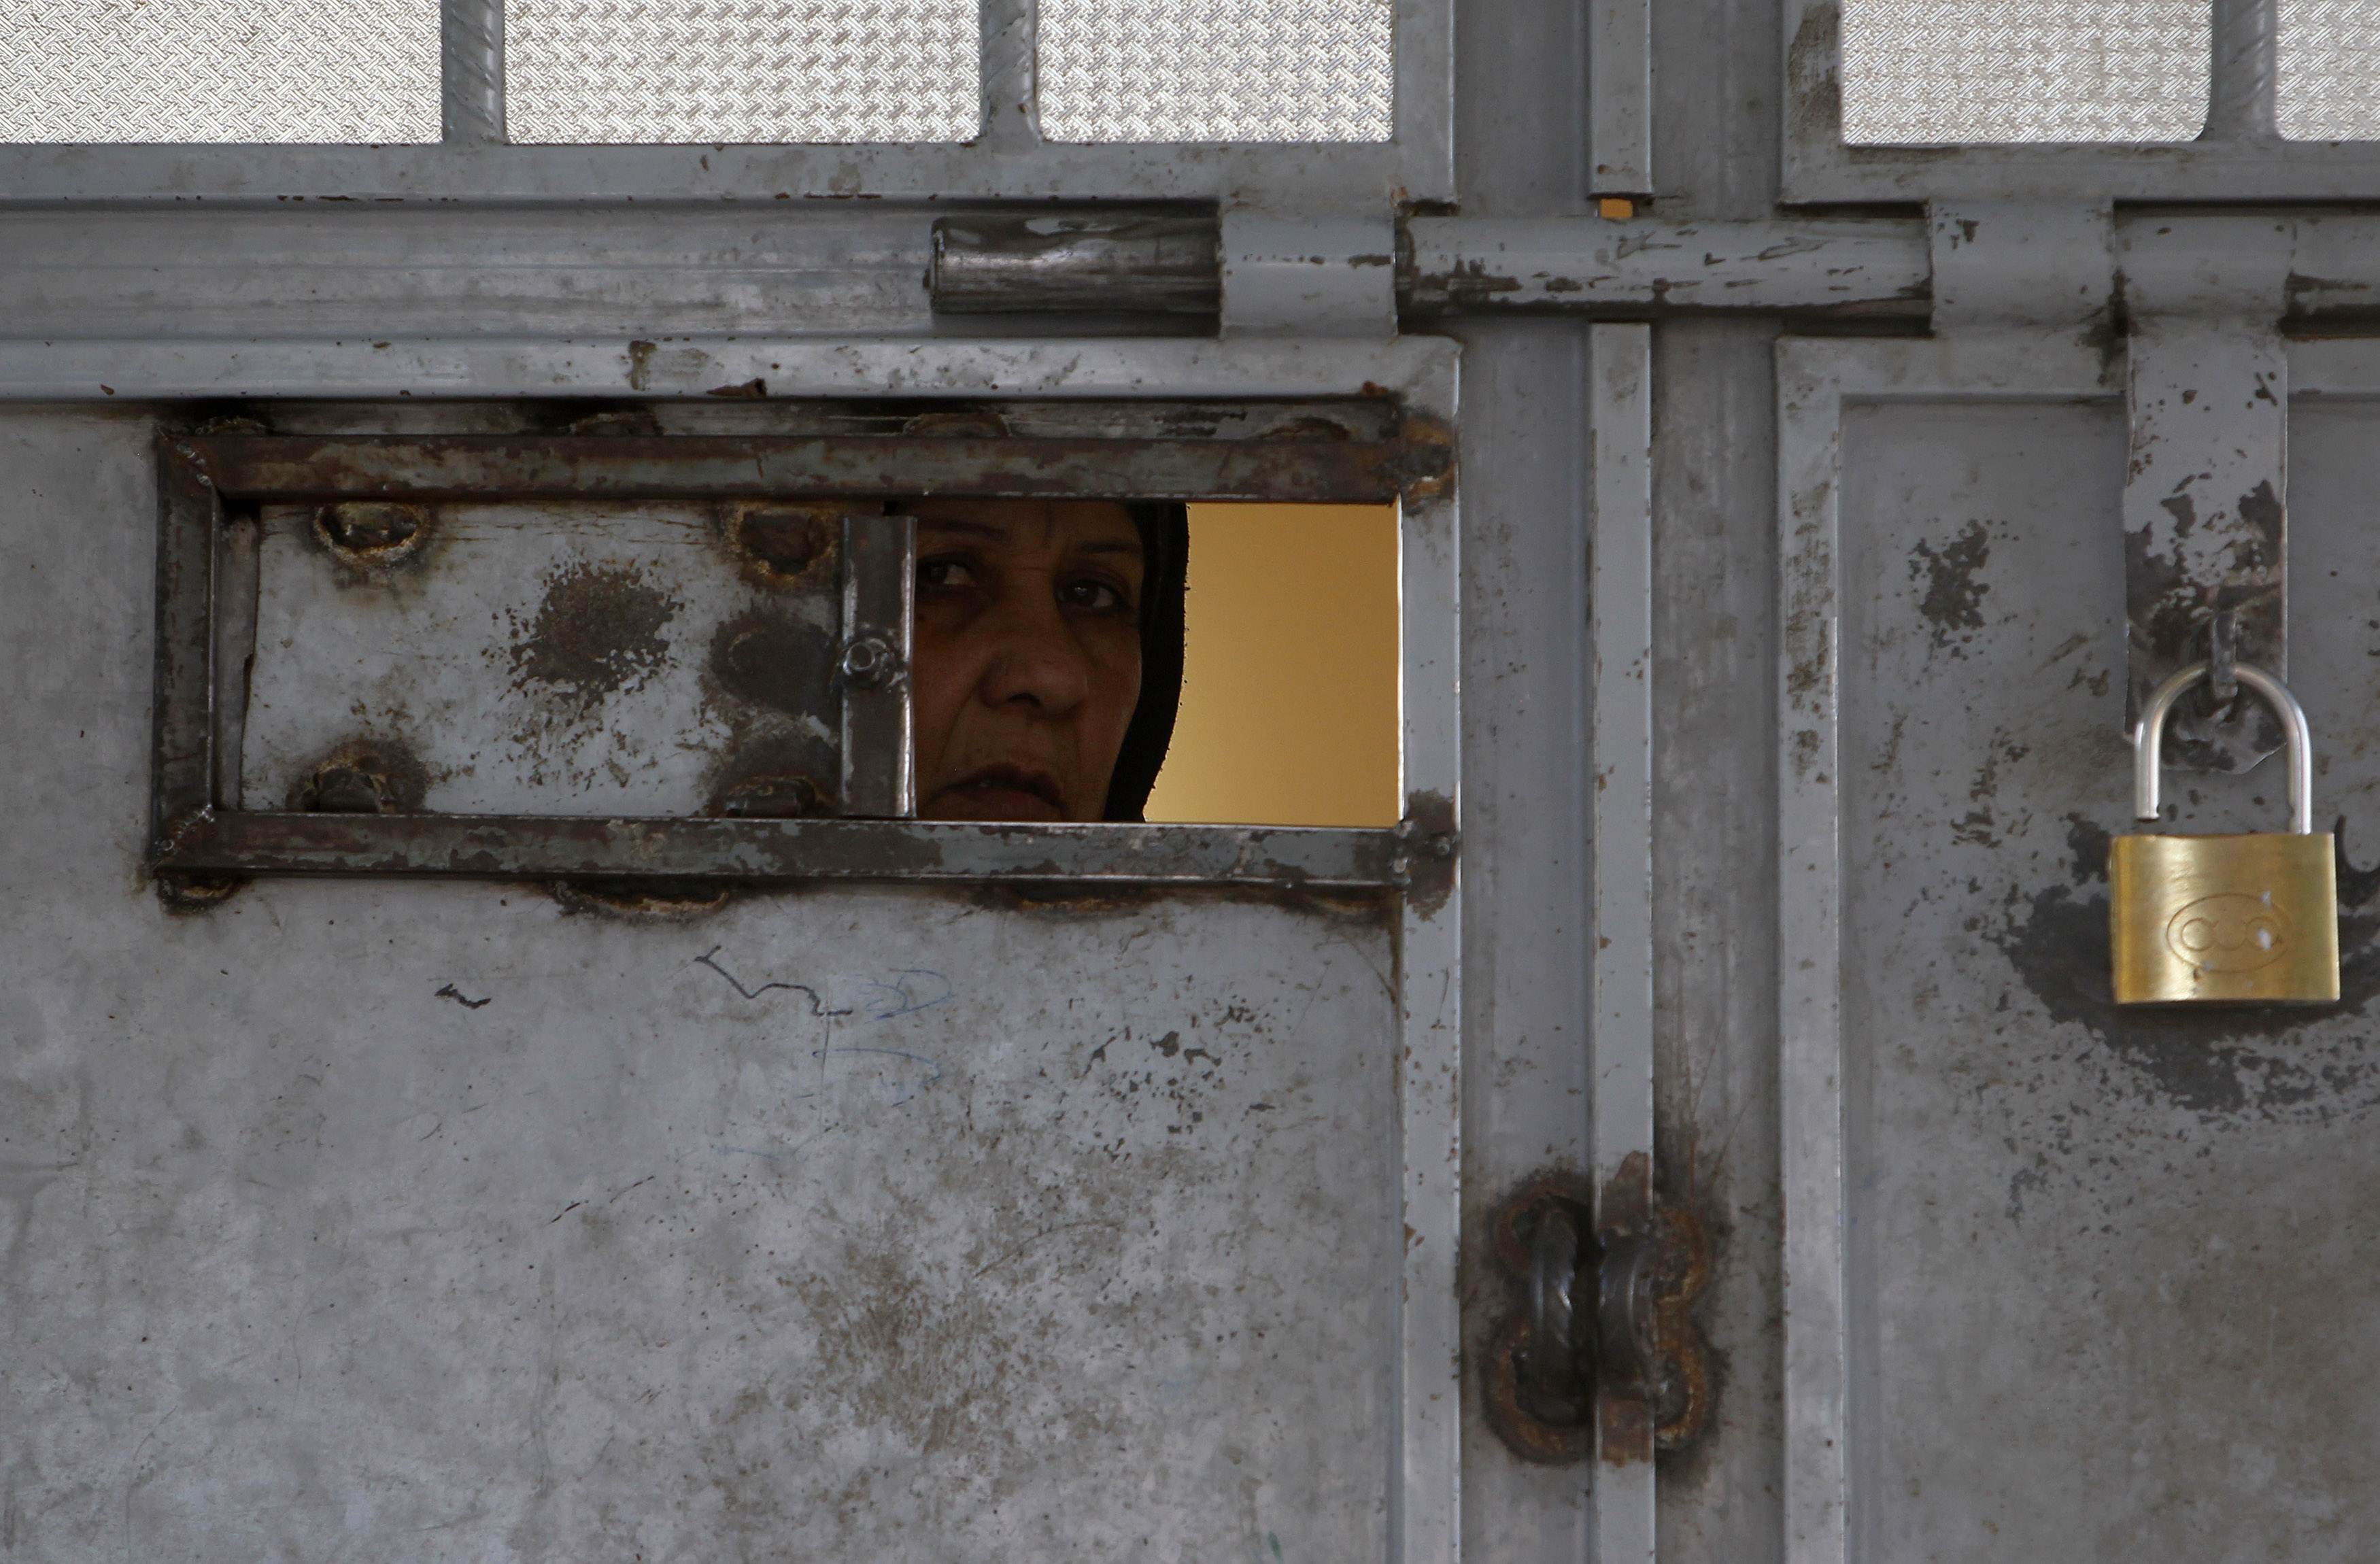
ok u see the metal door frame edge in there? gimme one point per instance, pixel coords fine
(1816, 378)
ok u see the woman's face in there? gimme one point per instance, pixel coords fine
(1027, 662)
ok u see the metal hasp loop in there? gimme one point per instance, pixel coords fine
(2148, 740)
(1556, 1373)
(1598, 1352)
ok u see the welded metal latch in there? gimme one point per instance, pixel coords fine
(1600, 1353)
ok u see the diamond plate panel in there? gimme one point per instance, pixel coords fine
(219, 70)
(2329, 88)
(741, 70)
(1932, 72)
(1216, 70)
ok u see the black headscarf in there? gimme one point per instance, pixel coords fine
(1164, 527)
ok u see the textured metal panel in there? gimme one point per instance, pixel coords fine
(730, 70)
(220, 70)
(1934, 71)
(1222, 70)
(2327, 89)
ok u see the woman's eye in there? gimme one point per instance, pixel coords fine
(944, 572)
(1095, 597)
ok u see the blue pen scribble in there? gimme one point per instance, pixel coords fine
(905, 997)
(908, 1088)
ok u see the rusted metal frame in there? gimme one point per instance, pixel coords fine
(256, 467)
(183, 768)
(779, 852)
(1820, 1135)
(697, 466)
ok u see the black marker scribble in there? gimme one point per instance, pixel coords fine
(817, 1006)
(452, 992)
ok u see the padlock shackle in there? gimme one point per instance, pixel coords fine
(2148, 740)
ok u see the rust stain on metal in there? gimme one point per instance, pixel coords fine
(1432, 848)
(197, 893)
(780, 544)
(363, 776)
(1512, 1230)
(1623, 1414)
(1418, 463)
(1424, 466)
(1954, 597)
(1684, 1398)
(1533, 1440)
(370, 537)
(753, 389)
(763, 657)
(597, 631)
(772, 795)
(643, 900)
(966, 423)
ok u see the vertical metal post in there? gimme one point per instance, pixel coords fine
(2242, 91)
(1619, 97)
(1621, 960)
(879, 573)
(1810, 943)
(1006, 76)
(472, 38)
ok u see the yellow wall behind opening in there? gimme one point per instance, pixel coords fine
(1289, 685)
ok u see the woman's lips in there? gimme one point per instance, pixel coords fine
(1015, 792)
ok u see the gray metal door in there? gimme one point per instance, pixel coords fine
(579, 1160)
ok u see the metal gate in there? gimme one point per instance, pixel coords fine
(456, 1105)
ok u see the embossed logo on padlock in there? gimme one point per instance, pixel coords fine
(2249, 918)
(2230, 932)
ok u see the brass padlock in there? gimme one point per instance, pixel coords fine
(2243, 919)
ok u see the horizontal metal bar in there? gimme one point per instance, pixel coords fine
(538, 848)
(1131, 261)
(695, 467)
(1590, 265)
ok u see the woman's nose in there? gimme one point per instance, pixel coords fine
(1039, 662)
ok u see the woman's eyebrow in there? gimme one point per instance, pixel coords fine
(974, 529)
(1117, 546)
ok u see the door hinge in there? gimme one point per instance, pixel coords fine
(1598, 1352)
